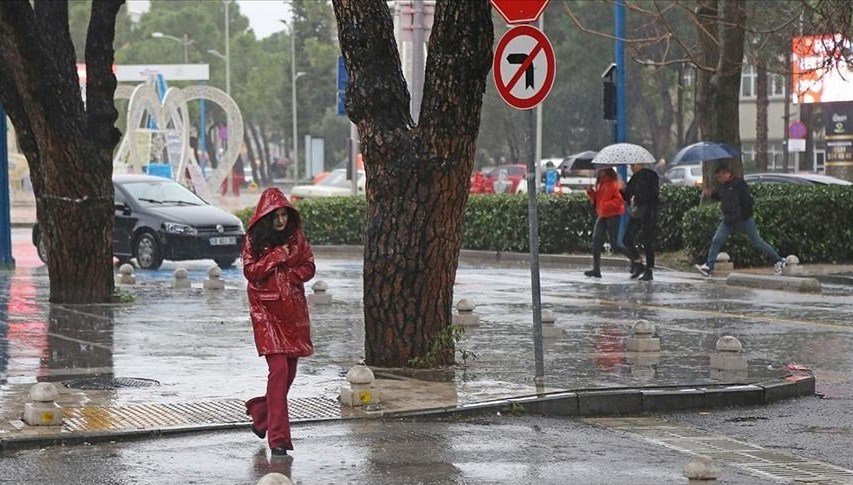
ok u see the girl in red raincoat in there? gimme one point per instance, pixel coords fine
(606, 197)
(277, 261)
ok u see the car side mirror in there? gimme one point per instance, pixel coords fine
(124, 208)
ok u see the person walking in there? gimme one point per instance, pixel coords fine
(736, 206)
(643, 195)
(551, 177)
(606, 197)
(277, 261)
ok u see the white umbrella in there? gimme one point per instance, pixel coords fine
(623, 154)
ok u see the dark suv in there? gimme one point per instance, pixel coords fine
(157, 218)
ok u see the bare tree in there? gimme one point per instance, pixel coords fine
(68, 144)
(417, 176)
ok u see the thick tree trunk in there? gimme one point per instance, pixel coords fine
(68, 146)
(706, 31)
(417, 177)
(761, 103)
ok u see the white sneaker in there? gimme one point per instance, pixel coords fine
(703, 268)
(779, 266)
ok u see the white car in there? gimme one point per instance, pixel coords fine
(335, 184)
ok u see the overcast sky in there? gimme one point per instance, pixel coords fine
(264, 15)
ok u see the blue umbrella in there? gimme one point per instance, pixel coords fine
(704, 151)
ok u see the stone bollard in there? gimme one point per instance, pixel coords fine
(213, 281)
(181, 279)
(642, 339)
(465, 315)
(43, 410)
(549, 331)
(792, 266)
(701, 469)
(126, 277)
(274, 479)
(728, 362)
(360, 390)
(724, 264)
(319, 297)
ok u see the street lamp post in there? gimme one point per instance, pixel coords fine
(185, 41)
(216, 53)
(296, 75)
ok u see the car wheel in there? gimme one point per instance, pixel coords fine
(147, 251)
(41, 248)
(225, 263)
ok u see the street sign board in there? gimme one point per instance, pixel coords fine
(797, 129)
(520, 11)
(343, 78)
(524, 67)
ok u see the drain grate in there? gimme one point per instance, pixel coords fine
(186, 415)
(105, 383)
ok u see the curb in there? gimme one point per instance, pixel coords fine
(573, 403)
(786, 283)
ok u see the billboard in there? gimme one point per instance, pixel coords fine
(838, 121)
(820, 71)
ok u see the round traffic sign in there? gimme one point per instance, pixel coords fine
(797, 129)
(524, 67)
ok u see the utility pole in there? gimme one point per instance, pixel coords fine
(293, 94)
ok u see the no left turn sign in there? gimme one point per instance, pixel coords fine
(524, 67)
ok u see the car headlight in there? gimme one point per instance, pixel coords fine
(183, 229)
(240, 225)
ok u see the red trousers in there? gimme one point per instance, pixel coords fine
(269, 413)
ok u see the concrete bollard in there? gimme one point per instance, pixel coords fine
(43, 410)
(643, 339)
(126, 277)
(465, 315)
(360, 389)
(214, 280)
(549, 331)
(728, 362)
(320, 296)
(792, 266)
(724, 264)
(274, 479)
(181, 279)
(701, 469)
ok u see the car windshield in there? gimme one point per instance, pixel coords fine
(151, 192)
(516, 171)
(696, 171)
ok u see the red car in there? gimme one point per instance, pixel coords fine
(504, 179)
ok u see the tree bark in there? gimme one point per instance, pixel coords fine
(417, 177)
(259, 152)
(706, 31)
(250, 153)
(761, 103)
(68, 146)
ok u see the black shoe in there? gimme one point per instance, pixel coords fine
(637, 269)
(279, 451)
(260, 434)
(647, 275)
(593, 273)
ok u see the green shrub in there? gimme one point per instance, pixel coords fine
(811, 222)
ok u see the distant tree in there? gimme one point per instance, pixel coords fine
(418, 177)
(68, 143)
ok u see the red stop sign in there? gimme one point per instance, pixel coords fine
(520, 11)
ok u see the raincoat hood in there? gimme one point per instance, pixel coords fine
(273, 199)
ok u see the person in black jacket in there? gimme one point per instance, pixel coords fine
(736, 205)
(643, 196)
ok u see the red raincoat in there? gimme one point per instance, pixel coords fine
(277, 302)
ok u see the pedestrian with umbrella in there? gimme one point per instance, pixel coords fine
(643, 196)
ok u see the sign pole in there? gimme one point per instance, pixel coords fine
(532, 213)
(6, 259)
(621, 111)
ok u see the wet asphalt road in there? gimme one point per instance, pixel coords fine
(485, 450)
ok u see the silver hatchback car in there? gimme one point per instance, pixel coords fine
(688, 175)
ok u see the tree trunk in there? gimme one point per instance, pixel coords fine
(250, 152)
(266, 144)
(761, 103)
(706, 31)
(417, 177)
(259, 152)
(68, 146)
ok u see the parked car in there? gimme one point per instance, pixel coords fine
(505, 179)
(157, 218)
(793, 178)
(334, 184)
(688, 175)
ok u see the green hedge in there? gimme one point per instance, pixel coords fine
(812, 222)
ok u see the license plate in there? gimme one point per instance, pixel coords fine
(223, 241)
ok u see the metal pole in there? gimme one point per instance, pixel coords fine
(417, 57)
(227, 49)
(202, 135)
(533, 237)
(538, 152)
(6, 259)
(354, 149)
(293, 98)
(621, 111)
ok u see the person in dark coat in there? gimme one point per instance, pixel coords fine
(736, 205)
(277, 261)
(643, 196)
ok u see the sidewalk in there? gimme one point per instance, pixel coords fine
(197, 348)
